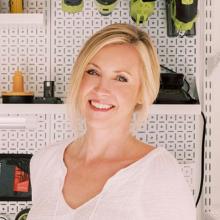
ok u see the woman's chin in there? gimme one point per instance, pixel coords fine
(100, 123)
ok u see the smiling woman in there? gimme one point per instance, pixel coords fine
(108, 79)
(131, 48)
(107, 173)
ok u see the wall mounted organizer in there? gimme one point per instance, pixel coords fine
(47, 52)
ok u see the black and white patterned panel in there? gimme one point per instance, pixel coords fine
(25, 140)
(70, 31)
(26, 48)
(11, 209)
(60, 127)
(174, 132)
(208, 204)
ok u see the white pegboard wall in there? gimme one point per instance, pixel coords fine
(207, 192)
(11, 209)
(174, 132)
(26, 48)
(25, 140)
(60, 127)
(48, 53)
(67, 41)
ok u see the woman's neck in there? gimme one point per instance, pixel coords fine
(104, 143)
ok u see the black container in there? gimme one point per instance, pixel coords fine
(6, 99)
(48, 89)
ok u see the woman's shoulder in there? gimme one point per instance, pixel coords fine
(164, 161)
(156, 156)
(156, 161)
(164, 169)
(48, 155)
(165, 185)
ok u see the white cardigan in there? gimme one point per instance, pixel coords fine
(152, 188)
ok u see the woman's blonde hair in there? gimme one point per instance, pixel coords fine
(117, 34)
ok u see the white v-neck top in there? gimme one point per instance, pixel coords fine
(152, 188)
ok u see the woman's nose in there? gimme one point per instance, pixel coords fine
(103, 86)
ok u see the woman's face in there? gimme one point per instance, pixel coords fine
(110, 86)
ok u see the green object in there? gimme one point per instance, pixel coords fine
(105, 7)
(22, 215)
(72, 6)
(183, 14)
(182, 27)
(141, 10)
(187, 2)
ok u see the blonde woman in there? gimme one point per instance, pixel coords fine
(106, 173)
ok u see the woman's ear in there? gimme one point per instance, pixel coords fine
(140, 96)
(140, 102)
(140, 99)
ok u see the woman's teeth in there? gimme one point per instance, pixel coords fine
(101, 106)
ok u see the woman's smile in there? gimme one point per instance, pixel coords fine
(99, 106)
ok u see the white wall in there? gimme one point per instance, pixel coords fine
(214, 74)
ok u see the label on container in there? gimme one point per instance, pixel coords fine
(21, 180)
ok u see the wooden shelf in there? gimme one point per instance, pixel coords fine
(21, 19)
(61, 108)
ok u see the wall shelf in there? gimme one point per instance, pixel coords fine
(21, 19)
(61, 108)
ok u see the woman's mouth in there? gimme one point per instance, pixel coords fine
(97, 106)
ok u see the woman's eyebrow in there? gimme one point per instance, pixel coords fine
(117, 71)
(93, 64)
(123, 71)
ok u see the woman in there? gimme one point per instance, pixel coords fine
(107, 173)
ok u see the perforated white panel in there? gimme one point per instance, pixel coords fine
(69, 32)
(208, 109)
(25, 140)
(26, 48)
(47, 53)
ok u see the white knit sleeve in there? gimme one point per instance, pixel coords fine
(166, 195)
(38, 166)
(35, 169)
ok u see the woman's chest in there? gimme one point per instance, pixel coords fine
(119, 200)
(83, 184)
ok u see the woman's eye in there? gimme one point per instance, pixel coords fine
(92, 72)
(121, 78)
